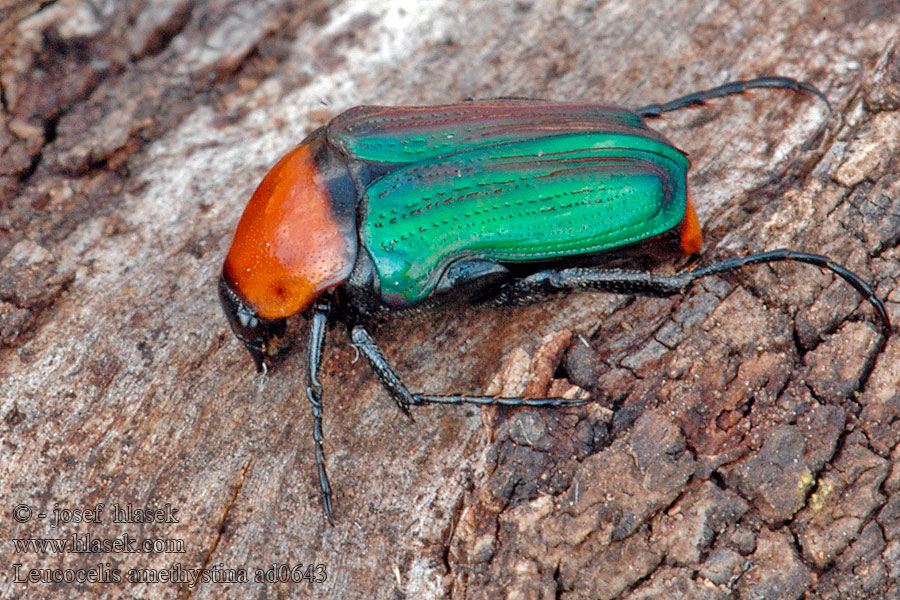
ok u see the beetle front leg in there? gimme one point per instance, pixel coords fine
(315, 343)
(404, 398)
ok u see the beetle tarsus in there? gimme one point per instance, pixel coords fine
(729, 89)
(858, 283)
(315, 398)
(500, 401)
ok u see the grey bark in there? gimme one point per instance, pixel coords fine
(741, 442)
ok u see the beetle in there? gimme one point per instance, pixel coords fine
(504, 201)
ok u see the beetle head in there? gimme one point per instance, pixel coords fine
(262, 337)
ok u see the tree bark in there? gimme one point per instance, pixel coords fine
(741, 440)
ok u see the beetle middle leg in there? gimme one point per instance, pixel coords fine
(404, 398)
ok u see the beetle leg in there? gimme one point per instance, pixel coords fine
(396, 388)
(317, 326)
(864, 289)
(543, 283)
(538, 286)
(498, 401)
(402, 396)
(729, 89)
(471, 276)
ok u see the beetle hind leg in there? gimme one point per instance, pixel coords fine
(729, 89)
(538, 286)
(858, 283)
(404, 398)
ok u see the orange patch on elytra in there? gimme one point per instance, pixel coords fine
(288, 248)
(691, 235)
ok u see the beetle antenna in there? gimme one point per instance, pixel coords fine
(730, 89)
(818, 260)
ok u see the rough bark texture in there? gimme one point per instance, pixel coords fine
(742, 441)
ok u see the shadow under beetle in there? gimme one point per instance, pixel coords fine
(492, 201)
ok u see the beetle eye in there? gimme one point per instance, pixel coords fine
(246, 319)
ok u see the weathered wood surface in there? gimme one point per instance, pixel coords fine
(743, 442)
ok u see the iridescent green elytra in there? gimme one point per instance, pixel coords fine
(484, 180)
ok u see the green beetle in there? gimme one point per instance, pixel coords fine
(390, 207)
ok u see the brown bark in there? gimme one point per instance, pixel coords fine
(742, 440)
